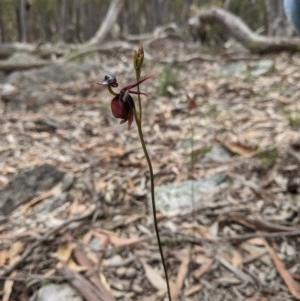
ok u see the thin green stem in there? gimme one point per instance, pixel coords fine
(138, 118)
(138, 76)
(111, 91)
(191, 176)
(192, 162)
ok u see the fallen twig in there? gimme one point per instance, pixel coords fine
(6, 271)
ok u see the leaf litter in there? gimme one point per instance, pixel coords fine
(241, 243)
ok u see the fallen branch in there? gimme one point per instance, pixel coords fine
(42, 51)
(286, 276)
(86, 288)
(11, 66)
(241, 32)
(183, 238)
(7, 270)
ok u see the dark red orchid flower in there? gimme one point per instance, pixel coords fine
(122, 105)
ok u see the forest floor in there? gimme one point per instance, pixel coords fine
(90, 223)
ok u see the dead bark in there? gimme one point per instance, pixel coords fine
(240, 31)
(276, 20)
(109, 20)
(41, 51)
(85, 287)
(10, 66)
(234, 25)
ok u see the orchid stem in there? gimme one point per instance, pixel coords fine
(138, 118)
(111, 91)
(138, 75)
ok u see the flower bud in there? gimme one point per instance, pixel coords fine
(138, 59)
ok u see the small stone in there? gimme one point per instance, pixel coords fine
(62, 292)
(137, 288)
(7, 89)
(27, 185)
(96, 244)
(121, 272)
(117, 286)
(114, 261)
(68, 181)
(130, 273)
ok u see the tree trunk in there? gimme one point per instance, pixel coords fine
(239, 30)
(2, 23)
(109, 20)
(62, 25)
(276, 19)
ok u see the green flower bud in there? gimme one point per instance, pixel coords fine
(138, 59)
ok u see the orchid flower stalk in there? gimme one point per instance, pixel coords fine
(138, 59)
(123, 107)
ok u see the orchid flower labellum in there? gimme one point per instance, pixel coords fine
(122, 105)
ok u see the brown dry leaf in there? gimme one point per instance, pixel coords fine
(237, 259)
(204, 232)
(7, 288)
(213, 229)
(154, 277)
(114, 150)
(253, 252)
(239, 148)
(292, 285)
(100, 282)
(131, 185)
(38, 199)
(256, 299)
(257, 224)
(104, 281)
(72, 265)
(3, 257)
(203, 269)
(87, 236)
(3, 180)
(20, 233)
(16, 249)
(78, 208)
(50, 272)
(85, 287)
(257, 241)
(102, 236)
(104, 243)
(64, 252)
(100, 185)
(117, 241)
(9, 170)
(193, 290)
(123, 241)
(181, 276)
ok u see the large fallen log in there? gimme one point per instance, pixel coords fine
(238, 29)
(42, 51)
(22, 61)
(8, 66)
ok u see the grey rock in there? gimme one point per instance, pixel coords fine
(121, 272)
(61, 292)
(57, 73)
(27, 185)
(130, 273)
(68, 181)
(179, 196)
(217, 153)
